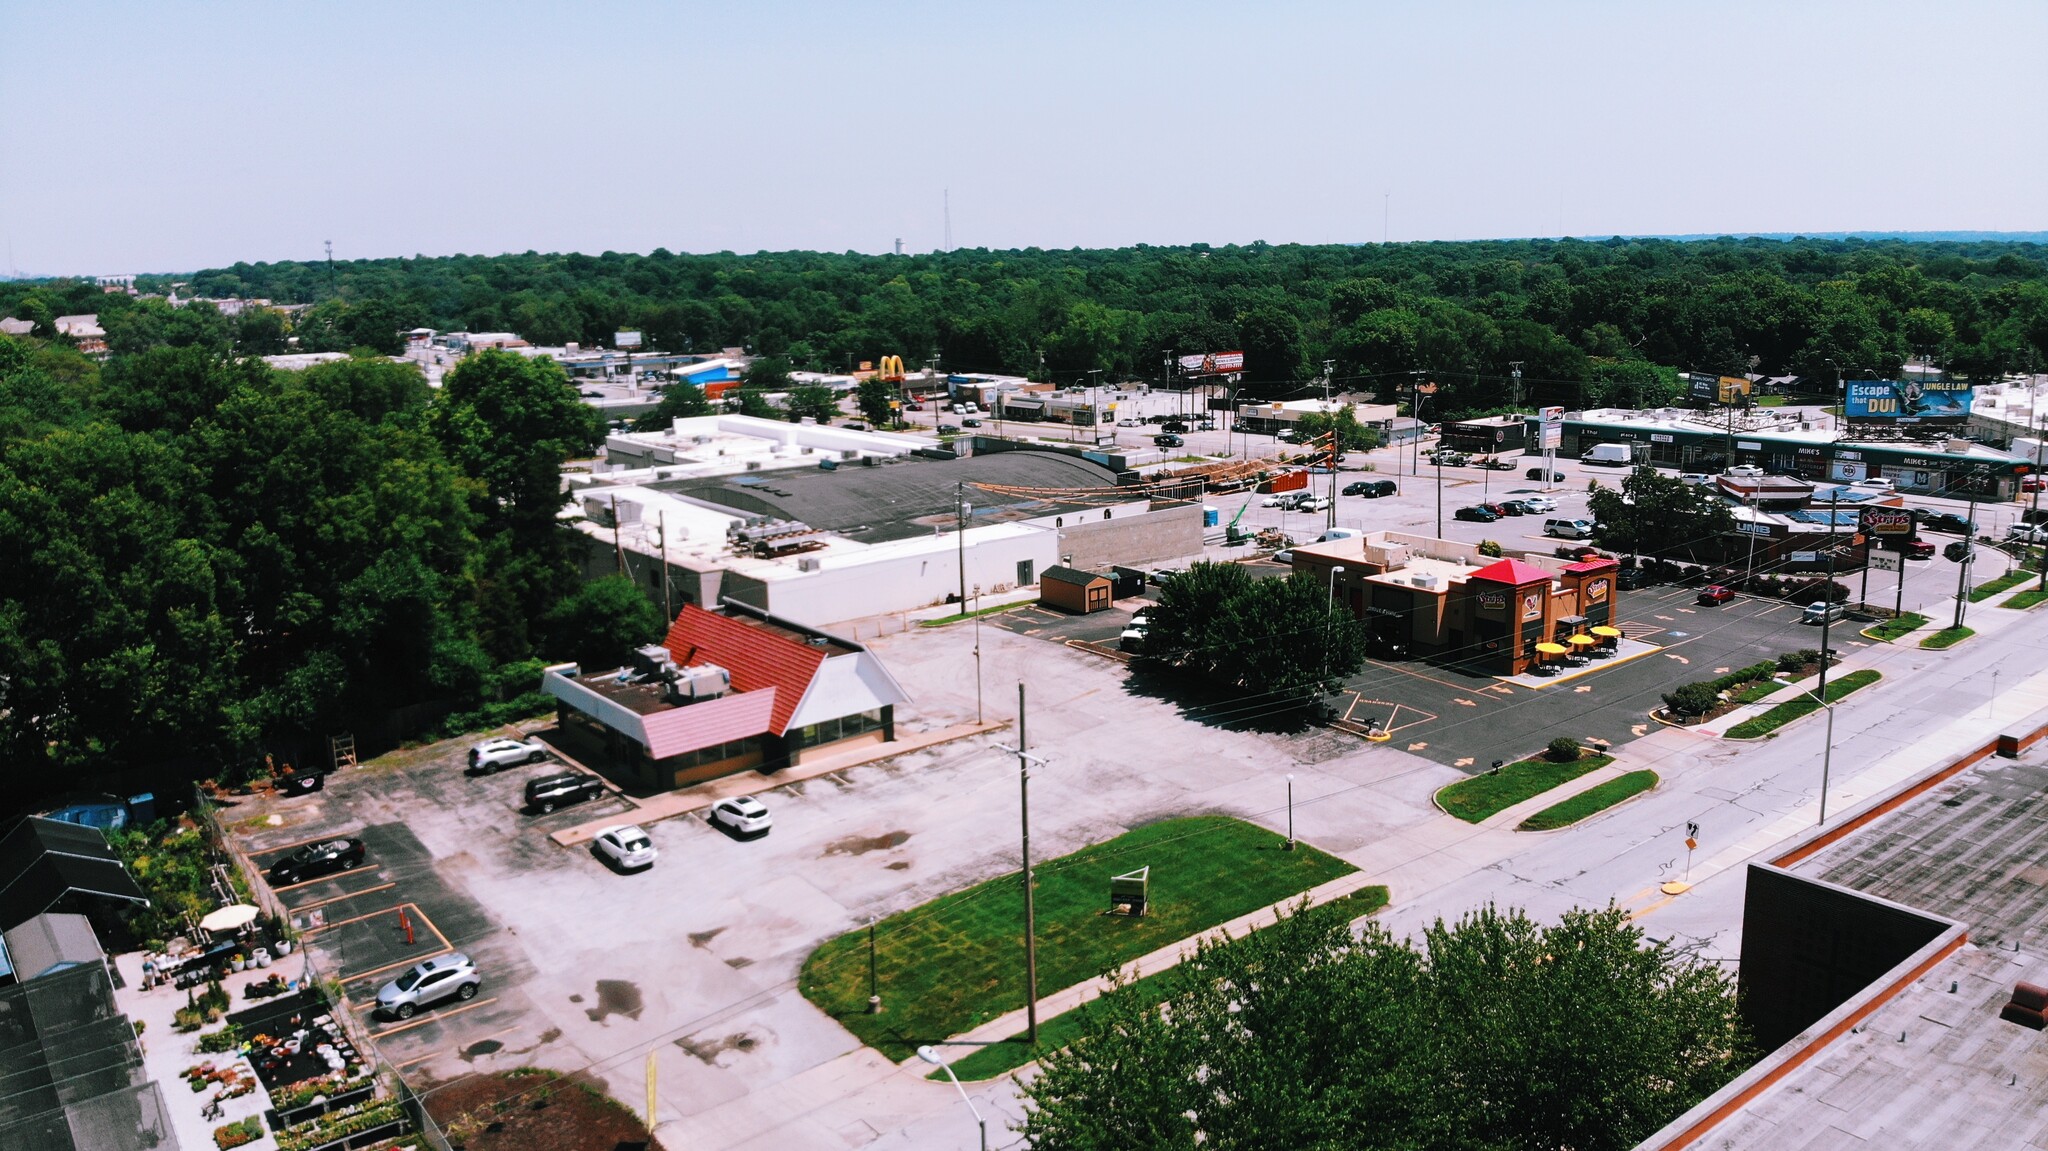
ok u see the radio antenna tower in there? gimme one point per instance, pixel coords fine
(330, 266)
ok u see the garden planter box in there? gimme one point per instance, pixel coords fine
(279, 1120)
(367, 1138)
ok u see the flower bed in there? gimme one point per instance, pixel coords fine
(363, 1124)
(237, 1133)
(309, 1106)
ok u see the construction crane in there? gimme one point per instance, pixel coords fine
(1231, 536)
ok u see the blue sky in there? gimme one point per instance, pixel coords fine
(173, 136)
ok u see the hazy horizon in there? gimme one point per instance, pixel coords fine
(186, 138)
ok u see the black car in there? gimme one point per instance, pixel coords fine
(1168, 441)
(316, 860)
(1630, 579)
(1947, 522)
(970, 422)
(1374, 489)
(1514, 508)
(1538, 474)
(1178, 426)
(949, 429)
(552, 791)
(1357, 488)
(1476, 514)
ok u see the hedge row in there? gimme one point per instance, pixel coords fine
(1692, 700)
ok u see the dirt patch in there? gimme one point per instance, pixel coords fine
(616, 997)
(862, 844)
(704, 938)
(708, 1050)
(533, 1111)
(738, 962)
(899, 865)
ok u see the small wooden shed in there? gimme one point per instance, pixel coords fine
(1073, 590)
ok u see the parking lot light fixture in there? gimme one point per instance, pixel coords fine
(874, 991)
(931, 1055)
(1827, 754)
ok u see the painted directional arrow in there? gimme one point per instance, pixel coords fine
(1418, 745)
(1465, 762)
(1638, 728)
(1676, 656)
(1583, 687)
(1464, 703)
(1721, 671)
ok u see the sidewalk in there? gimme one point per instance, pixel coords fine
(696, 797)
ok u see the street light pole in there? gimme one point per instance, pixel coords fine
(977, 654)
(1290, 811)
(1439, 495)
(1827, 755)
(931, 1055)
(960, 510)
(1024, 761)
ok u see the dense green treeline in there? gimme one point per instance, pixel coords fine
(203, 559)
(1585, 319)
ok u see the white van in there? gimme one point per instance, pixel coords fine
(1569, 529)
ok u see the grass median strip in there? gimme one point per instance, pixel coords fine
(1473, 800)
(1792, 709)
(954, 963)
(1897, 626)
(2026, 599)
(1947, 637)
(943, 620)
(2006, 582)
(1152, 990)
(1590, 802)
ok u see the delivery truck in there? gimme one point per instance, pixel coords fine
(1612, 455)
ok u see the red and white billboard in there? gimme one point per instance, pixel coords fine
(1212, 364)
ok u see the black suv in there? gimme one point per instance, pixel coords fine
(1946, 522)
(1178, 427)
(552, 791)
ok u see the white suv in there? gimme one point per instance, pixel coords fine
(425, 984)
(742, 813)
(498, 754)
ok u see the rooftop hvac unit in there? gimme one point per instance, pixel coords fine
(870, 461)
(1424, 581)
(753, 465)
(849, 455)
(629, 511)
(807, 564)
(597, 509)
(700, 681)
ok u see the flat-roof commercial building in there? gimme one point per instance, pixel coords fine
(822, 524)
(727, 691)
(1806, 448)
(1270, 419)
(1443, 597)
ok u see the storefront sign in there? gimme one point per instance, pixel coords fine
(1532, 605)
(1493, 599)
(1596, 591)
(1659, 438)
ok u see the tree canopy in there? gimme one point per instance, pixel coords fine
(1496, 1033)
(1278, 637)
(1660, 515)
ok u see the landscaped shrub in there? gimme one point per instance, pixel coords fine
(1691, 700)
(239, 1132)
(1489, 548)
(1792, 661)
(1563, 749)
(226, 1039)
(1740, 676)
(1814, 591)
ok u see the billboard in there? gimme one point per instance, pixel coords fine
(625, 339)
(1212, 364)
(1706, 389)
(1553, 428)
(1908, 401)
(1888, 521)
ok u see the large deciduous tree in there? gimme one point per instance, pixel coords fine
(1660, 515)
(1279, 637)
(1495, 1034)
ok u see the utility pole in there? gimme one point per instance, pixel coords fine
(1969, 555)
(1024, 762)
(1828, 614)
(961, 510)
(618, 549)
(1329, 370)
(1516, 377)
(2033, 512)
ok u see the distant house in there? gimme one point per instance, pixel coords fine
(86, 331)
(13, 327)
(728, 691)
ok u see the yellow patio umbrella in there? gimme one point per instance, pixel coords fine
(1548, 648)
(1606, 632)
(1581, 640)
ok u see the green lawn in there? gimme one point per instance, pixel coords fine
(1055, 1033)
(2006, 582)
(2026, 599)
(1897, 626)
(943, 620)
(1472, 800)
(958, 961)
(1753, 691)
(1947, 637)
(1792, 709)
(1590, 801)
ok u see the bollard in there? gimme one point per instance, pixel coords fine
(405, 921)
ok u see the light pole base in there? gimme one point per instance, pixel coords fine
(874, 1005)
(1675, 887)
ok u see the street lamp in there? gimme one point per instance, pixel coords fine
(1290, 811)
(1827, 754)
(931, 1055)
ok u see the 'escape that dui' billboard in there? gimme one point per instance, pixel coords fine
(1908, 401)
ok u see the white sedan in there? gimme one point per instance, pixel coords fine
(496, 754)
(743, 814)
(626, 845)
(1539, 504)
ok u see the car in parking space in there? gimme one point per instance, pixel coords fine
(1168, 441)
(1874, 484)
(970, 422)
(1356, 487)
(1313, 504)
(949, 429)
(2034, 484)
(1131, 639)
(1946, 522)
(1822, 612)
(1476, 514)
(1513, 508)
(1916, 549)
(1161, 575)
(626, 845)
(1492, 464)
(2025, 534)
(1714, 595)
(1541, 474)
(1568, 529)
(1178, 427)
(561, 789)
(743, 814)
(426, 983)
(1283, 499)
(316, 860)
(1539, 505)
(1375, 489)
(498, 754)
(1632, 579)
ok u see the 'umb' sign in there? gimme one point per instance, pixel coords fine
(1127, 892)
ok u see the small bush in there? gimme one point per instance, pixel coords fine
(1792, 661)
(1691, 700)
(226, 1039)
(1563, 749)
(1490, 548)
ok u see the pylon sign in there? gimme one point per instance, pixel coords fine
(891, 368)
